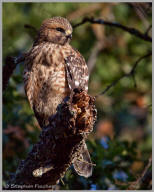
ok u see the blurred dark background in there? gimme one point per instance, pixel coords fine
(121, 142)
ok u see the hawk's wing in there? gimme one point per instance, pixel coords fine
(77, 72)
(77, 77)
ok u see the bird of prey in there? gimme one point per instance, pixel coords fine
(45, 76)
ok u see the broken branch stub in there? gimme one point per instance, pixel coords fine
(59, 143)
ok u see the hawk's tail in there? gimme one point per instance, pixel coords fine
(82, 164)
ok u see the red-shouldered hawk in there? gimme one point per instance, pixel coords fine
(45, 76)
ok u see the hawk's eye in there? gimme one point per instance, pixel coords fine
(60, 29)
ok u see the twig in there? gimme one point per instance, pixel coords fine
(130, 30)
(131, 73)
(144, 180)
(11, 63)
(84, 11)
(141, 9)
(94, 54)
(31, 27)
(148, 29)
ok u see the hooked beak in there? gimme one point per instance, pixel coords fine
(69, 36)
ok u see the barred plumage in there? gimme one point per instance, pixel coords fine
(45, 78)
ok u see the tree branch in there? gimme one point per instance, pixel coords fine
(27, 26)
(130, 30)
(131, 73)
(148, 29)
(8, 68)
(144, 180)
(93, 56)
(59, 143)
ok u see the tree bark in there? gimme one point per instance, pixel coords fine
(59, 143)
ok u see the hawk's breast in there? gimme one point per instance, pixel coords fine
(45, 78)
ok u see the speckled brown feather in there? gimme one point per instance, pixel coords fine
(45, 78)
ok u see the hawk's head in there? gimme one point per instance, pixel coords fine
(57, 30)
